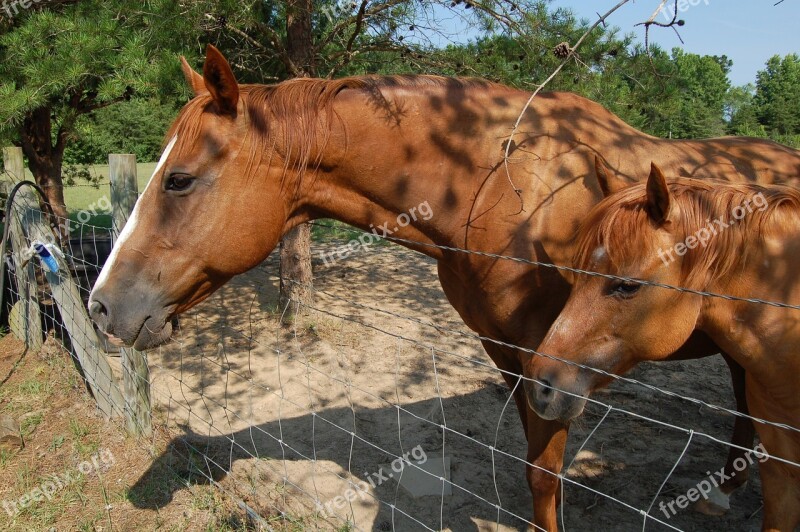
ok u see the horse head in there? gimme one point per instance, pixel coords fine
(215, 206)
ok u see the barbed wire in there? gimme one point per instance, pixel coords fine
(570, 269)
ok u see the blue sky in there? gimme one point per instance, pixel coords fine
(748, 31)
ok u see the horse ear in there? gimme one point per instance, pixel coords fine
(609, 182)
(220, 81)
(659, 198)
(194, 79)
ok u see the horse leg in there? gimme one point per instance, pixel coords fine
(718, 501)
(781, 511)
(546, 443)
(506, 360)
(780, 482)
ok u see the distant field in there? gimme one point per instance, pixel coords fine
(90, 205)
(85, 197)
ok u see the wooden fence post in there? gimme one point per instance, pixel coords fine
(27, 286)
(66, 295)
(124, 189)
(135, 373)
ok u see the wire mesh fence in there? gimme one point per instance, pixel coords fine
(374, 407)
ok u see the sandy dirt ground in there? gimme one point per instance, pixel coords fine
(287, 419)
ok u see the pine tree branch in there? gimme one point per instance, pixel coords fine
(376, 9)
(278, 50)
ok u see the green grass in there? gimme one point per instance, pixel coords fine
(90, 205)
(33, 387)
(58, 441)
(5, 456)
(325, 229)
(30, 423)
(78, 429)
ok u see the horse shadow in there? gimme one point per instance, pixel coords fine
(367, 458)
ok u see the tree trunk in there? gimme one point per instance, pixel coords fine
(44, 160)
(295, 269)
(299, 39)
(296, 275)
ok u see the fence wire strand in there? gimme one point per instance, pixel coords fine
(200, 375)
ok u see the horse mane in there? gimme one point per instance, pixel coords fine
(295, 116)
(622, 226)
(291, 109)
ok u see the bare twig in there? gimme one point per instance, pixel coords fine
(571, 52)
(359, 24)
(652, 22)
(275, 41)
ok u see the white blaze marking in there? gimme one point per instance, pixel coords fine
(130, 225)
(598, 254)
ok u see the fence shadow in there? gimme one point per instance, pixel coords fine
(325, 435)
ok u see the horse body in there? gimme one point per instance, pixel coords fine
(446, 146)
(251, 162)
(765, 341)
(612, 324)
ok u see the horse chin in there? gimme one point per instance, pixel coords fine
(564, 410)
(154, 332)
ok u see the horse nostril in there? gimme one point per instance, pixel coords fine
(545, 389)
(98, 312)
(98, 309)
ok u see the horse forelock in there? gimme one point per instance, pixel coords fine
(621, 225)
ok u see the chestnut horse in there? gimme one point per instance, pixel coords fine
(740, 240)
(246, 163)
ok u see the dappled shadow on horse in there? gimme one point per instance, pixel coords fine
(742, 241)
(243, 164)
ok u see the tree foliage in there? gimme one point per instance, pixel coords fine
(777, 97)
(60, 61)
(71, 61)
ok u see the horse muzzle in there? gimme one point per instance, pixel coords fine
(133, 321)
(551, 403)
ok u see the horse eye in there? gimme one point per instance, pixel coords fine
(178, 182)
(625, 288)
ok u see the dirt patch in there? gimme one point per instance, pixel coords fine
(295, 417)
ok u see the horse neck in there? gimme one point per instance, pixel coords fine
(765, 261)
(383, 174)
(358, 200)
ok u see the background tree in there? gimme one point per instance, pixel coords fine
(136, 126)
(59, 61)
(777, 97)
(702, 84)
(741, 112)
(296, 275)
